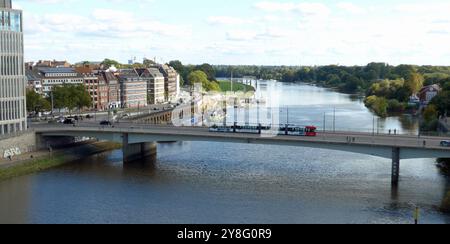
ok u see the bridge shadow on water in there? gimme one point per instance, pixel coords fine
(146, 164)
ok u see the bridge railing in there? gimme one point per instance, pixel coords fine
(353, 131)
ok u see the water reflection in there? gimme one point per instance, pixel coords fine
(14, 200)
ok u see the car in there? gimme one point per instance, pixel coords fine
(445, 143)
(105, 123)
(69, 122)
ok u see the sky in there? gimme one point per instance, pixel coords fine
(251, 32)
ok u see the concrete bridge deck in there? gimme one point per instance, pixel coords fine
(395, 147)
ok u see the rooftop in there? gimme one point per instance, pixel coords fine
(56, 70)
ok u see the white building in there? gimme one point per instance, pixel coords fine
(51, 77)
(13, 81)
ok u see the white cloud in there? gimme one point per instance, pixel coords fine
(351, 8)
(227, 20)
(304, 8)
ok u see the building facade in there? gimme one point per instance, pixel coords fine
(170, 81)
(155, 85)
(133, 89)
(96, 86)
(113, 89)
(34, 81)
(427, 93)
(13, 81)
(52, 77)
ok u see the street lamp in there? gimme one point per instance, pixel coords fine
(287, 114)
(334, 120)
(373, 126)
(51, 96)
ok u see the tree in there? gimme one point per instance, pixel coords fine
(83, 99)
(430, 114)
(71, 97)
(177, 65)
(414, 82)
(197, 77)
(352, 83)
(378, 104)
(200, 77)
(109, 62)
(148, 63)
(36, 103)
(442, 102)
(60, 93)
(208, 70)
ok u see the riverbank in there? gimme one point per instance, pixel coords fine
(39, 161)
(226, 86)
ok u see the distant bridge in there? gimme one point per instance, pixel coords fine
(139, 140)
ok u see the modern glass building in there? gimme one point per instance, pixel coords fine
(12, 71)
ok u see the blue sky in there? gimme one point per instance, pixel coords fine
(273, 32)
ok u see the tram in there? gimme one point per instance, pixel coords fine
(288, 130)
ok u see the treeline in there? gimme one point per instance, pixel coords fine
(64, 97)
(348, 79)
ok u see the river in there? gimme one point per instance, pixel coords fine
(204, 182)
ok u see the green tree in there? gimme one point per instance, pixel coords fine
(414, 82)
(82, 97)
(148, 63)
(208, 70)
(71, 97)
(378, 104)
(197, 77)
(200, 77)
(352, 83)
(109, 62)
(442, 102)
(430, 113)
(36, 103)
(177, 65)
(60, 93)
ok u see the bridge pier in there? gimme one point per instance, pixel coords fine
(137, 151)
(395, 166)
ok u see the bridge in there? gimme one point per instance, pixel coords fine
(140, 140)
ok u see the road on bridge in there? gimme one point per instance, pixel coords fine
(355, 138)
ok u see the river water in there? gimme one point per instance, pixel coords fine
(205, 182)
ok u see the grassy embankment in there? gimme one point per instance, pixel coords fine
(56, 159)
(226, 86)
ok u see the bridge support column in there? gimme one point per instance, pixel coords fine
(138, 151)
(395, 166)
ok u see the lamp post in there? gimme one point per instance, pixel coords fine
(288, 114)
(139, 108)
(373, 126)
(334, 120)
(378, 126)
(51, 96)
